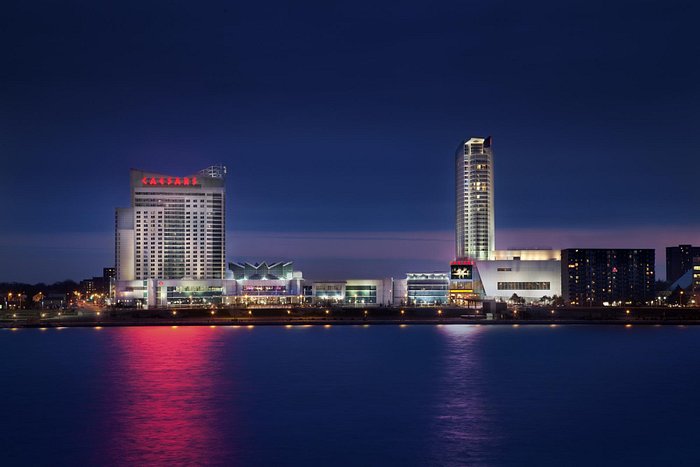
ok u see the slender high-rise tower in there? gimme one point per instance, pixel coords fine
(474, 190)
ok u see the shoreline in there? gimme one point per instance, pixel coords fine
(245, 322)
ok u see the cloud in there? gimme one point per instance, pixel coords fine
(56, 256)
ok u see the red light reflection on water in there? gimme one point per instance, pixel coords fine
(164, 400)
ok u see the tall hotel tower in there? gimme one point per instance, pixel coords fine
(474, 189)
(175, 227)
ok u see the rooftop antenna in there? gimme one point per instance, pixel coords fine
(214, 171)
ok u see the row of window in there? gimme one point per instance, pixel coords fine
(524, 285)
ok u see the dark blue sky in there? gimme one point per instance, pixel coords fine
(342, 120)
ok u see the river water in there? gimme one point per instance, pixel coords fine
(351, 395)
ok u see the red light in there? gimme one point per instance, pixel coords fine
(179, 181)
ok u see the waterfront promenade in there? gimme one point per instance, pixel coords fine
(347, 316)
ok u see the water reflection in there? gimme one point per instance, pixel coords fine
(463, 431)
(164, 393)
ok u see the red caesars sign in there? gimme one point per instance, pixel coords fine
(165, 181)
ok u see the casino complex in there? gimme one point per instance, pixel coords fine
(170, 248)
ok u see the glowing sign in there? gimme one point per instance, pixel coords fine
(458, 271)
(462, 263)
(169, 181)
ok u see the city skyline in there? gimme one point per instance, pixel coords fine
(350, 143)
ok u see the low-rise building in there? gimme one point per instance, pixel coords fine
(354, 292)
(529, 274)
(427, 288)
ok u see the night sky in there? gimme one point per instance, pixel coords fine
(339, 122)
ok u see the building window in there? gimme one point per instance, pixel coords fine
(524, 286)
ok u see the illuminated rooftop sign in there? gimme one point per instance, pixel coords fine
(459, 271)
(169, 181)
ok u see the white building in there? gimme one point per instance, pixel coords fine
(530, 274)
(264, 283)
(475, 221)
(175, 230)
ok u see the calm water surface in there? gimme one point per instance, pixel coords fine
(351, 395)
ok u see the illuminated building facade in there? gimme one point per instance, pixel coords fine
(175, 227)
(173, 232)
(529, 274)
(352, 292)
(427, 289)
(265, 283)
(594, 277)
(475, 222)
(277, 270)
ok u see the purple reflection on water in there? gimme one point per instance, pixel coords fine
(463, 428)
